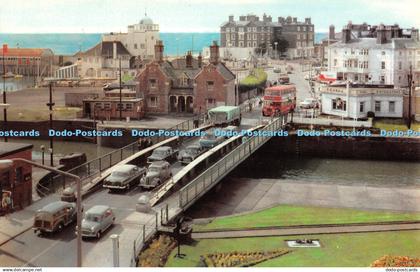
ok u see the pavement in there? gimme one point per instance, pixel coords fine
(309, 230)
(239, 195)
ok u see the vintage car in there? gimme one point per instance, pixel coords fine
(97, 220)
(210, 140)
(157, 173)
(123, 177)
(69, 195)
(190, 153)
(54, 217)
(309, 103)
(163, 153)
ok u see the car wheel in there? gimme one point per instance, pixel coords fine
(98, 234)
(60, 227)
(128, 186)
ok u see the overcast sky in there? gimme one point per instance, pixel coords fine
(98, 16)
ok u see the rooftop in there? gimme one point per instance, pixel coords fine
(27, 52)
(7, 149)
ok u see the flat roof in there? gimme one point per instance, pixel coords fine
(8, 148)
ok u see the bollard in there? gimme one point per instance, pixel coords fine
(115, 249)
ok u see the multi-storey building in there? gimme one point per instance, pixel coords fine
(185, 85)
(376, 54)
(139, 39)
(251, 32)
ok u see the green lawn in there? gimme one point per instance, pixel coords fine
(286, 215)
(359, 249)
(395, 124)
(41, 113)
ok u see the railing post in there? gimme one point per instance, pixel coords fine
(144, 234)
(100, 164)
(122, 150)
(180, 199)
(161, 216)
(110, 159)
(88, 169)
(156, 216)
(195, 185)
(167, 212)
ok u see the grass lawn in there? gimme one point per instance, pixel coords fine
(41, 113)
(286, 215)
(358, 249)
(391, 124)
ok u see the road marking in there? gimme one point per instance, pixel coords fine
(40, 254)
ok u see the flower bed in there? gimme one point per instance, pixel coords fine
(157, 252)
(241, 259)
(396, 261)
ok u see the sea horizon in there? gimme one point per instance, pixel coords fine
(176, 43)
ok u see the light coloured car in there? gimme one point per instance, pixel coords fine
(309, 103)
(277, 70)
(124, 176)
(97, 220)
(190, 153)
(210, 140)
(157, 173)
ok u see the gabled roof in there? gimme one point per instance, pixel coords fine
(225, 72)
(105, 49)
(27, 52)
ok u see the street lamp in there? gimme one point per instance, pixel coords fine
(7, 164)
(4, 106)
(43, 154)
(275, 49)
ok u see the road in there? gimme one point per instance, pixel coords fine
(58, 250)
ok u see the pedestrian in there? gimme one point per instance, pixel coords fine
(6, 203)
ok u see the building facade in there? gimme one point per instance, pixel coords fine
(37, 62)
(103, 61)
(355, 101)
(139, 39)
(17, 181)
(376, 55)
(185, 85)
(251, 32)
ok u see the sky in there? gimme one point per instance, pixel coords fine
(101, 16)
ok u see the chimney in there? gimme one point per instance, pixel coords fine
(308, 21)
(200, 60)
(381, 34)
(242, 18)
(295, 20)
(264, 17)
(188, 60)
(346, 35)
(269, 19)
(289, 20)
(281, 20)
(331, 35)
(159, 51)
(231, 18)
(214, 53)
(114, 50)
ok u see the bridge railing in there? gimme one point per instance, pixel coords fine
(204, 182)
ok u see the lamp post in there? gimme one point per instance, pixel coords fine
(4, 92)
(6, 164)
(43, 154)
(120, 105)
(50, 105)
(275, 49)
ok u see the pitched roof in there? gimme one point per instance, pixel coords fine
(105, 49)
(8, 148)
(26, 52)
(225, 72)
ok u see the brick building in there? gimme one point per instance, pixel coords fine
(28, 61)
(18, 179)
(251, 32)
(185, 85)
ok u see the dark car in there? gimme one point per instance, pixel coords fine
(124, 176)
(190, 153)
(163, 153)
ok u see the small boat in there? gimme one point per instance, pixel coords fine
(18, 76)
(8, 75)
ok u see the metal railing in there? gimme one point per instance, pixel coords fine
(204, 182)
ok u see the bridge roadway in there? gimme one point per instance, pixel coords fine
(59, 249)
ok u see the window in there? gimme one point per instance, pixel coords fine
(383, 53)
(152, 83)
(153, 101)
(210, 85)
(135, 46)
(19, 175)
(400, 65)
(362, 107)
(129, 106)
(335, 62)
(107, 106)
(383, 65)
(211, 102)
(338, 104)
(391, 106)
(5, 179)
(382, 79)
(120, 106)
(377, 106)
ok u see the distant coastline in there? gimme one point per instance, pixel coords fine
(71, 43)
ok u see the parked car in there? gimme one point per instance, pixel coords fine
(163, 153)
(68, 195)
(123, 177)
(54, 217)
(277, 70)
(190, 153)
(210, 140)
(229, 131)
(97, 220)
(157, 173)
(284, 79)
(309, 103)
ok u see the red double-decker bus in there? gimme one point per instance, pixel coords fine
(279, 100)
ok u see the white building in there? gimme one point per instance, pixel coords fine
(377, 55)
(139, 40)
(357, 101)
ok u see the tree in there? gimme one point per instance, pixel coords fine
(261, 49)
(282, 44)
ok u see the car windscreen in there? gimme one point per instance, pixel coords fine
(120, 174)
(92, 217)
(154, 169)
(159, 152)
